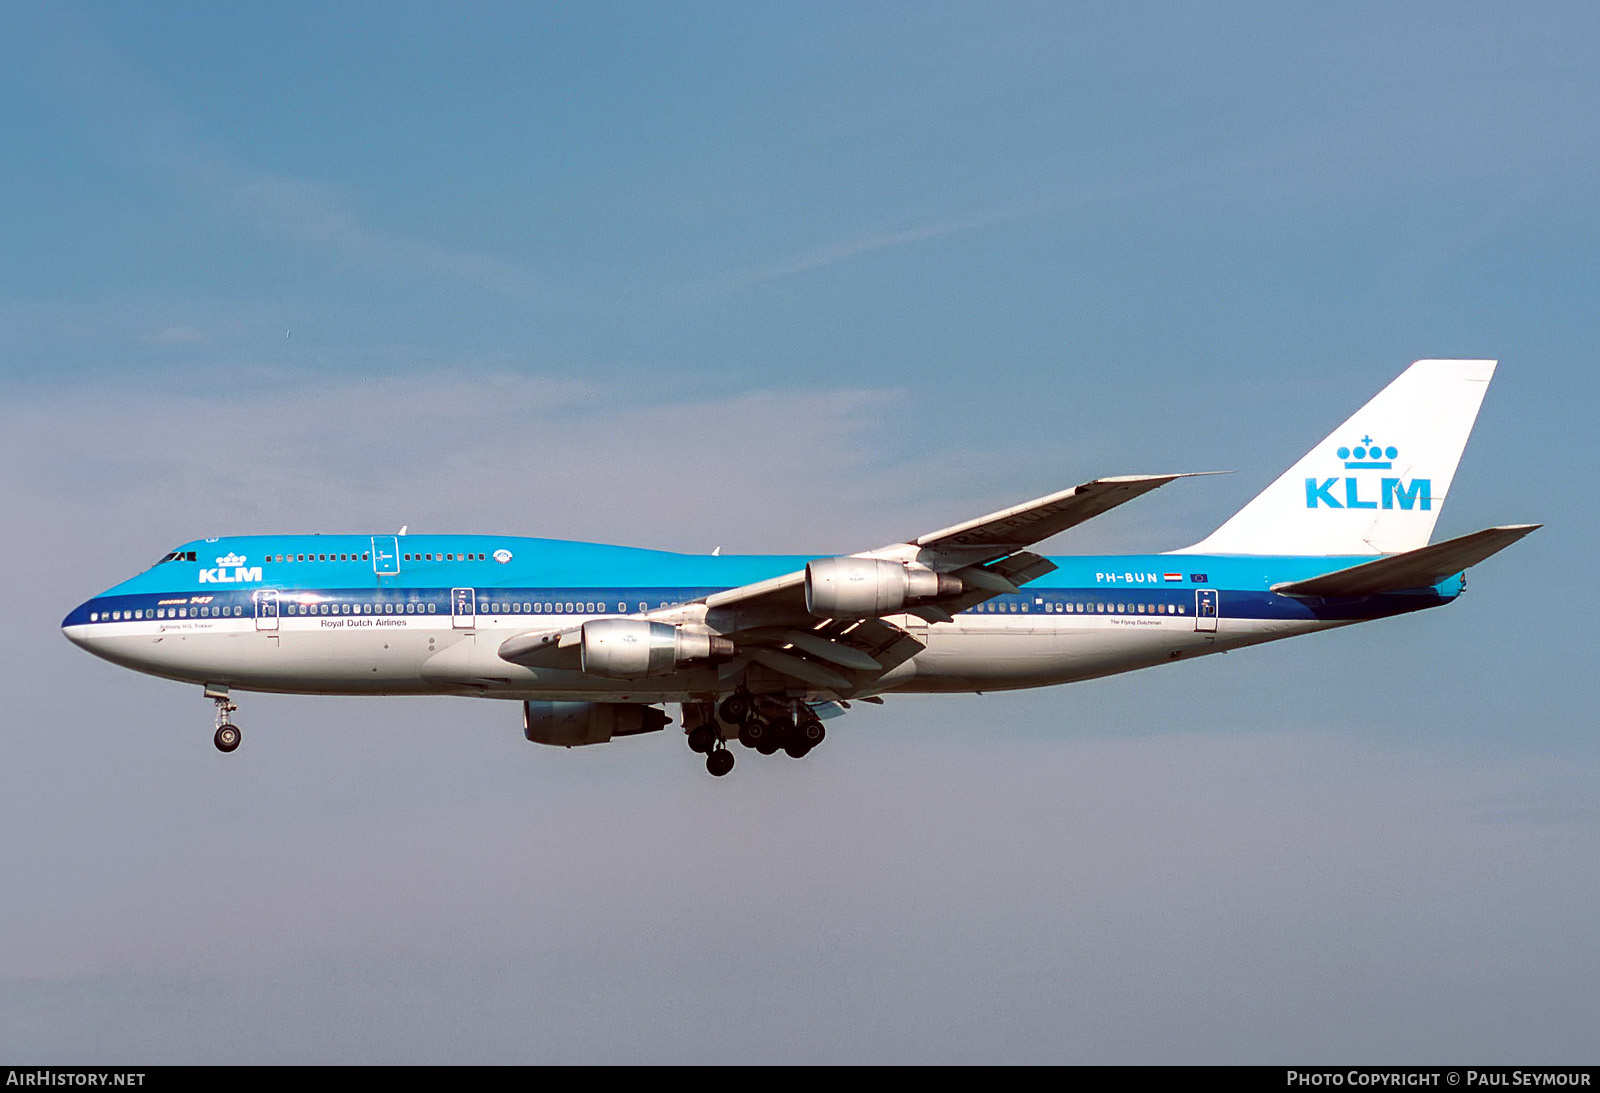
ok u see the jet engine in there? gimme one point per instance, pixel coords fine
(635, 648)
(569, 724)
(864, 588)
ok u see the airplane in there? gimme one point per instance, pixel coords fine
(593, 639)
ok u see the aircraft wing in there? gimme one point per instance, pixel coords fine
(773, 625)
(1001, 533)
(964, 548)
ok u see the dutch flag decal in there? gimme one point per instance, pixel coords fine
(1172, 576)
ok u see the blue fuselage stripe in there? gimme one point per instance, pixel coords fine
(542, 576)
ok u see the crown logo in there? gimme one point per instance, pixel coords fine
(502, 555)
(1368, 455)
(231, 558)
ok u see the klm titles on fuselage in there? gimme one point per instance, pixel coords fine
(1392, 492)
(231, 569)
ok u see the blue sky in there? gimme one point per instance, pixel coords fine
(796, 279)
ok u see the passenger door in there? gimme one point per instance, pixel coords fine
(463, 608)
(385, 555)
(266, 608)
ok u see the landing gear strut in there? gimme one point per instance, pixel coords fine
(808, 733)
(706, 737)
(227, 737)
(720, 762)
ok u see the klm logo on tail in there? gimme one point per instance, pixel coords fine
(1392, 492)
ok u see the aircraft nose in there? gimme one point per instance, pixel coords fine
(77, 623)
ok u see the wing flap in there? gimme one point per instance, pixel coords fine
(1420, 568)
(845, 656)
(889, 645)
(542, 648)
(842, 657)
(807, 671)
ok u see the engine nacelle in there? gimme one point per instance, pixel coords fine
(864, 588)
(635, 648)
(570, 724)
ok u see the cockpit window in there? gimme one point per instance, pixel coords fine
(178, 556)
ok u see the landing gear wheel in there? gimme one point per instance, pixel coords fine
(753, 733)
(734, 709)
(719, 762)
(781, 729)
(769, 744)
(702, 738)
(810, 733)
(796, 749)
(227, 737)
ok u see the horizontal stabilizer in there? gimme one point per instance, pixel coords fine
(1420, 568)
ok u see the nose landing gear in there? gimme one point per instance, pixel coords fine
(227, 737)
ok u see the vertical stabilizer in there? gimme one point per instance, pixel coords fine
(1377, 483)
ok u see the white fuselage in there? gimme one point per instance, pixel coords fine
(367, 615)
(433, 654)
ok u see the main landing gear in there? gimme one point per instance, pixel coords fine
(706, 737)
(227, 737)
(764, 724)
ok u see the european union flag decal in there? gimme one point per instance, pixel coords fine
(1198, 578)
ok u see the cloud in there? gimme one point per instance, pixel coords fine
(1211, 168)
(176, 334)
(217, 451)
(844, 250)
(119, 111)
